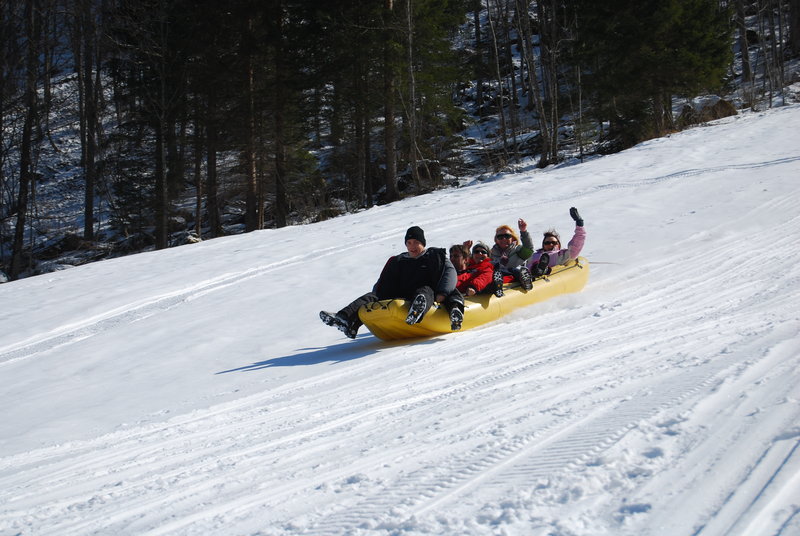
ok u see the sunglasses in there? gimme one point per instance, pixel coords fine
(479, 252)
(550, 243)
(504, 235)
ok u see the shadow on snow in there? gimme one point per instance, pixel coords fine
(363, 346)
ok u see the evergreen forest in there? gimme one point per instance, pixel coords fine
(128, 125)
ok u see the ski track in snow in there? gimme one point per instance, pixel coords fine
(221, 452)
(562, 446)
(137, 311)
(602, 429)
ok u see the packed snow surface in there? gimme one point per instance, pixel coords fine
(195, 391)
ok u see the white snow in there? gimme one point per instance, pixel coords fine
(195, 391)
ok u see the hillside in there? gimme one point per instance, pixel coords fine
(122, 132)
(193, 390)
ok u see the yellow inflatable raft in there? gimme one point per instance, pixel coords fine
(387, 319)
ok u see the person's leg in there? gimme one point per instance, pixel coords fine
(454, 304)
(497, 283)
(350, 311)
(523, 276)
(540, 268)
(347, 320)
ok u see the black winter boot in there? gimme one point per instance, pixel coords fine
(525, 278)
(417, 309)
(540, 268)
(497, 281)
(456, 318)
(342, 323)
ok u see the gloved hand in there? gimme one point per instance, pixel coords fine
(575, 216)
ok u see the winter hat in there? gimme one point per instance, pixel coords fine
(481, 245)
(416, 233)
(503, 229)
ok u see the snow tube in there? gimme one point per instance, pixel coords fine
(387, 319)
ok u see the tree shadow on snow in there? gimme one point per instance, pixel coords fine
(337, 353)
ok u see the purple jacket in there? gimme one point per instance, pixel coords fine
(563, 255)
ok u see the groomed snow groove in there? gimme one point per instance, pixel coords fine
(543, 454)
(663, 400)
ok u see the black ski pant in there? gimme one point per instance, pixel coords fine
(350, 311)
(454, 300)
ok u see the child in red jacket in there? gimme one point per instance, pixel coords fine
(478, 273)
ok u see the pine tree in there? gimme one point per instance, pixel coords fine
(636, 54)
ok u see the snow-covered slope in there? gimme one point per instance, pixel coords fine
(194, 390)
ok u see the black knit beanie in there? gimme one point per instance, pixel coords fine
(416, 233)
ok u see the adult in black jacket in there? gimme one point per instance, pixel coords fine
(421, 275)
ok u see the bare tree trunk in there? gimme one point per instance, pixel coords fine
(212, 204)
(5, 39)
(548, 98)
(411, 110)
(780, 42)
(31, 116)
(2, 159)
(261, 188)
(499, 79)
(161, 191)
(389, 128)
(535, 91)
(90, 123)
(554, 73)
(83, 43)
(765, 28)
(579, 126)
(161, 184)
(747, 73)
(369, 189)
(794, 27)
(359, 185)
(522, 25)
(548, 17)
(280, 207)
(317, 122)
(776, 45)
(47, 53)
(662, 113)
(198, 178)
(513, 116)
(177, 146)
(478, 57)
(251, 204)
